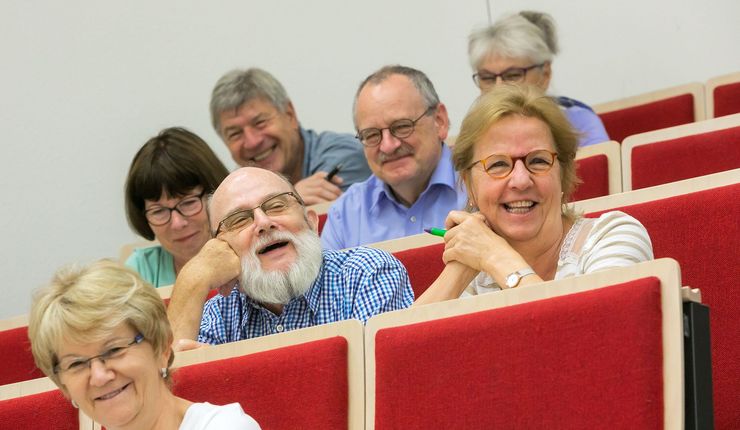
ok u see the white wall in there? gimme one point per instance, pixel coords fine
(85, 83)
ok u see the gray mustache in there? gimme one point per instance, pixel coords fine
(401, 151)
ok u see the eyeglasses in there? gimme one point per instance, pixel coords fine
(400, 128)
(499, 166)
(79, 366)
(274, 205)
(515, 74)
(189, 206)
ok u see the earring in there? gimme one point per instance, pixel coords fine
(75, 405)
(164, 372)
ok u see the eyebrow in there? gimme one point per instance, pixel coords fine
(241, 209)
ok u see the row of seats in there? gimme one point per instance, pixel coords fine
(671, 106)
(659, 157)
(694, 221)
(514, 359)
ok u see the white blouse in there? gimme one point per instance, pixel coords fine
(615, 239)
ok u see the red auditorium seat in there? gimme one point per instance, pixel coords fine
(309, 378)
(723, 95)
(652, 111)
(600, 351)
(18, 362)
(681, 152)
(695, 222)
(38, 404)
(599, 169)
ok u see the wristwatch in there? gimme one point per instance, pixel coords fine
(514, 278)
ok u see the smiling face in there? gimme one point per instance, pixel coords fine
(258, 134)
(407, 162)
(521, 206)
(123, 391)
(248, 188)
(182, 236)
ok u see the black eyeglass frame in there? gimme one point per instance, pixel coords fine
(289, 193)
(175, 208)
(495, 76)
(395, 124)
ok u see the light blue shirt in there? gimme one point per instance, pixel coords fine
(322, 152)
(353, 284)
(368, 212)
(154, 264)
(583, 119)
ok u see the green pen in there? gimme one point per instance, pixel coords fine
(436, 231)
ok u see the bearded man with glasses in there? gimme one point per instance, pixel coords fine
(402, 125)
(267, 263)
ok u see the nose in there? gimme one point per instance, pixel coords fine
(100, 374)
(262, 222)
(520, 177)
(389, 143)
(178, 220)
(252, 138)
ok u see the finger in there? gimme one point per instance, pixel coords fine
(454, 218)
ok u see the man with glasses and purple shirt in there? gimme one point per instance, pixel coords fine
(402, 125)
(267, 263)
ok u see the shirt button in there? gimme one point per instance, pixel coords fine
(279, 328)
(412, 219)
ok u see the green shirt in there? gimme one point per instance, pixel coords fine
(154, 264)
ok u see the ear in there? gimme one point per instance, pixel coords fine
(546, 74)
(467, 178)
(442, 121)
(313, 220)
(292, 117)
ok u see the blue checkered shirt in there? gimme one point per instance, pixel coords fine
(356, 283)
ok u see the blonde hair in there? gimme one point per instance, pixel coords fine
(528, 101)
(85, 304)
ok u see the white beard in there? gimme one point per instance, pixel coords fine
(279, 287)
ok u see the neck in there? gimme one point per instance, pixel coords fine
(297, 173)
(163, 412)
(543, 255)
(275, 308)
(408, 192)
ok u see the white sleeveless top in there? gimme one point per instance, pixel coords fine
(205, 416)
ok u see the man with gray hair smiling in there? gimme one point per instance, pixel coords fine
(272, 275)
(254, 116)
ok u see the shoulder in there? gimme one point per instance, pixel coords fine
(205, 416)
(328, 139)
(359, 259)
(568, 103)
(357, 196)
(151, 253)
(618, 230)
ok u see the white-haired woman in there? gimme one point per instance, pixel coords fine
(520, 49)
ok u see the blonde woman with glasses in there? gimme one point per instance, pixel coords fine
(102, 335)
(516, 154)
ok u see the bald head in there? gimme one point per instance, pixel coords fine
(245, 188)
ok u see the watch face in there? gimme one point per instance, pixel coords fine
(512, 280)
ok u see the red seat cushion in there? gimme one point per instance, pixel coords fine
(424, 264)
(47, 410)
(649, 116)
(701, 231)
(300, 386)
(685, 157)
(17, 363)
(594, 173)
(588, 360)
(727, 99)
(322, 221)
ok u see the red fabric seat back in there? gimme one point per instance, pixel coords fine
(424, 264)
(47, 410)
(298, 386)
(585, 360)
(17, 363)
(685, 157)
(701, 231)
(594, 175)
(322, 221)
(727, 99)
(649, 116)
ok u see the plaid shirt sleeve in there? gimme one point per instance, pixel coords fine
(221, 319)
(381, 285)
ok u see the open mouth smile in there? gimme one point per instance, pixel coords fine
(520, 206)
(113, 393)
(271, 247)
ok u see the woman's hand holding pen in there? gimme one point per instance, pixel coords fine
(317, 189)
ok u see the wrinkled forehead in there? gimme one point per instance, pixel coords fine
(245, 189)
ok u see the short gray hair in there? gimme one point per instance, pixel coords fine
(241, 86)
(526, 34)
(417, 77)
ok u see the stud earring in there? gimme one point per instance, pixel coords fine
(164, 372)
(75, 405)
